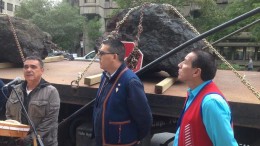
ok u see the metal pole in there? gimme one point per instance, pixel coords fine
(199, 37)
(76, 113)
(235, 32)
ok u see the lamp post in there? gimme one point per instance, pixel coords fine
(82, 47)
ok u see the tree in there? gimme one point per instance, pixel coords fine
(209, 14)
(29, 8)
(64, 24)
(62, 21)
(93, 31)
(239, 7)
(206, 11)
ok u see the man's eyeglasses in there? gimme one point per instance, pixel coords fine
(101, 53)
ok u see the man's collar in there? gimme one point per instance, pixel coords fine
(196, 90)
(115, 74)
(108, 76)
(42, 84)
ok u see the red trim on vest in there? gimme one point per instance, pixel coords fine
(192, 129)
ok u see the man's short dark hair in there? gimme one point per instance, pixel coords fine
(206, 62)
(117, 47)
(35, 58)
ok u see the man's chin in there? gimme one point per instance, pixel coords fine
(29, 79)
(101, 67)
(180, 79)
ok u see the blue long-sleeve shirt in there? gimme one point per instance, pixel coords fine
(216, 116)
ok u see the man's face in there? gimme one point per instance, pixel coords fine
(186, 72)
(106, 57)
(32, 70)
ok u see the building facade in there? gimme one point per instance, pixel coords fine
(100, 8)
(239, 49)
(91, 9)
(9, 6)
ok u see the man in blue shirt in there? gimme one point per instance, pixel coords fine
(206, 117)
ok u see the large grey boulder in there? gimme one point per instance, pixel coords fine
(163, 31)
(32, 40)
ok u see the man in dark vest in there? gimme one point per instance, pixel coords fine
(206, 117)
(122, 115)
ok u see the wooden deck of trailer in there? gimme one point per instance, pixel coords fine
(244, 104)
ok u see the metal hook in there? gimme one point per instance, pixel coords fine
(74, 84)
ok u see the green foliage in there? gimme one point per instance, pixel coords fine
(213, 15)
(123, 4)
(239, 7)
(209, 14)
(93, 31)
(29, 8)
(223, 66)
(62, 21)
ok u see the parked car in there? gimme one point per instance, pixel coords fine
(67, 56)
(88, 57)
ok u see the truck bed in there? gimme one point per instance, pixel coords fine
(244, 104)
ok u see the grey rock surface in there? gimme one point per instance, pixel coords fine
(32, 40)
(163, 31)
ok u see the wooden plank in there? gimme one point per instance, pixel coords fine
(7, 65)
(164, 85)
(35, 140)
(91, 80)
(53, 59)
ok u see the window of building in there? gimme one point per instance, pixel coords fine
(239, 54)
(227, 53)
(9, 7)
(90, 1)
(250, 52)
(2, 5)
(16, 7)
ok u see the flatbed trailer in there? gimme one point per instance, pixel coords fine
(166, 107)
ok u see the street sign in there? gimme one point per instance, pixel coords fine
(129, 47)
